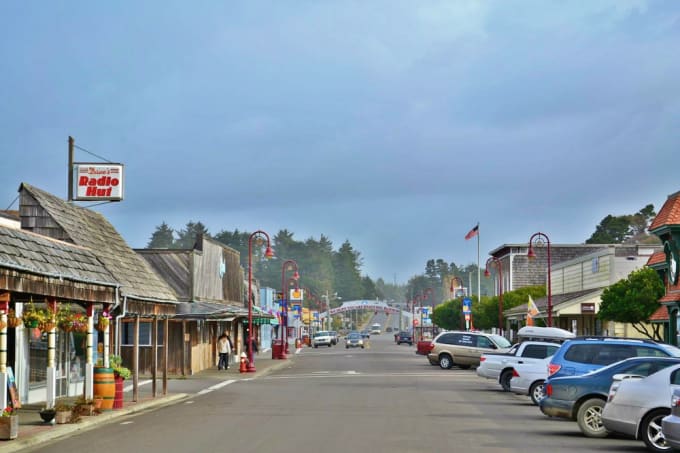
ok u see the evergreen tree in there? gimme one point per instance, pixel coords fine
(186, 237)
(162, 238)
(347, 264)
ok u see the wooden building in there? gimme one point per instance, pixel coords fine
(208, 283)
(39, 270)
(143, 296)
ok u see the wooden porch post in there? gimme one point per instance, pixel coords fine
(89, 354)
(51, 389)
(166, 334)
(135, 361)
(154, 357)
(4, 308)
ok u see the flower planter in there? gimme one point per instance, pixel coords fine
(62, 417)
(9, 427)
(118, 400)
(47, 415)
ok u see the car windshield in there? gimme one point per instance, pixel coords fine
(321, 334)
(502, 342)
(354, 336)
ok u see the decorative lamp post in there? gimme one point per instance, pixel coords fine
(459, 281)
(268, 253)
(542, 239)
(287, 265)
(497, 263)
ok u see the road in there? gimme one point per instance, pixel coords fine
(380, 399)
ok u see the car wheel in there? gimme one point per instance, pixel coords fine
(504, 380)
(445, 362)
(346, 347)
(650, 431)
(329, 345)
(362, 347)
(537, 392)
(589, 418)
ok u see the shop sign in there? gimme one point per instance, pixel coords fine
(588, 307)
(98, 182)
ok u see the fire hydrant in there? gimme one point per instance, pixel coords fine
(243, 367)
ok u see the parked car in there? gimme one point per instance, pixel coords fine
(670, 425)
(636, 406)
(464, 349)
(498, 366)
(528, 379)
(354, 340)
(583, 354)
(322, 338)
(405, 337)
(581, 398)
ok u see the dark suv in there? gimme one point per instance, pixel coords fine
(581, 355)
(405, 337)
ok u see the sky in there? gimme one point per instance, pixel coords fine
(395, 125)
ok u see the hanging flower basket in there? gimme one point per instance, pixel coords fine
(47, 326)
(35, 317)
(102, 323)
(79, 323)
(12, 320)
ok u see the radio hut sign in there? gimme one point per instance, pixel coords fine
(98, 182)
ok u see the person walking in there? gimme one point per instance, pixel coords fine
(224, 349)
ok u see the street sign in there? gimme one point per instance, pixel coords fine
(467, 305)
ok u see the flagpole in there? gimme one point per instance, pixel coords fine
(479, 269)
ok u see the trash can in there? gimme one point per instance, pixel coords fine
(277, 348)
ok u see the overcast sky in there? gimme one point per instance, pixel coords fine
(396, 125)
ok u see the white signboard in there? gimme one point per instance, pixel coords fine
(99, 182)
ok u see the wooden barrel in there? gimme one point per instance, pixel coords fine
(105, 387)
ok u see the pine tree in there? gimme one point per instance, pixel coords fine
(162, 238)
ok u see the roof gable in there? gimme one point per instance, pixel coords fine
(47, 214)
(669, 213)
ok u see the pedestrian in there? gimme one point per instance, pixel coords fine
(224, 349)
(254, 345)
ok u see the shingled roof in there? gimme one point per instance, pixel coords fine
(46, 214)
(669, 213)
(22, 250)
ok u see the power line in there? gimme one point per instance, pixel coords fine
(10, 205)
(90, 152)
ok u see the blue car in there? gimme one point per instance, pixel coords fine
(584, 354)
(581, 398)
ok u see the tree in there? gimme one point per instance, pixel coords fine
(187, 237)
(448, 315)
(162, 238)
(633, 300)
(625, 228)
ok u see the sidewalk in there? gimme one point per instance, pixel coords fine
(33, 431)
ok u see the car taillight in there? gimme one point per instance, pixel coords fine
(552, 369)
(548, 389)
(515, 373)
(612, 392)
(481, 359)
(675, 401)
(430, 346)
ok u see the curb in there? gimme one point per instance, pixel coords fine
(93, 422)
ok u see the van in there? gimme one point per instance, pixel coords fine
(375, 329)
(464, 349)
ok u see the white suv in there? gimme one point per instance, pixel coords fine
(322, 338)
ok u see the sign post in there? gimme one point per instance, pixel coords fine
(467, 311)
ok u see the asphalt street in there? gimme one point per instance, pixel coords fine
(383, 398)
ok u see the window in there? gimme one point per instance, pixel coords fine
(595, 265)
(467, 340)
(128, 334)
(539, 351)
(448, 338)
(483, 342)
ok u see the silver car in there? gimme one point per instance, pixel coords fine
(670, 426)
(635, 406)
(528, 379)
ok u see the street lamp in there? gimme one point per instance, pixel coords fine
(426, 294)
(542, 239)
(268, 253)
(499, 268)
(287, 265)
(459, 281)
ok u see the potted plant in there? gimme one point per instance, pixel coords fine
(47, 414)
(102, 323)
(33, 317)
(87, 407)
(12, 319)
(120, 373)
(9, 423)
(62, 412)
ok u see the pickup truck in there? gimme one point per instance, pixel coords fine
(499, 365)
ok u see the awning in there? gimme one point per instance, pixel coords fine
(208, 311)
(261, 317)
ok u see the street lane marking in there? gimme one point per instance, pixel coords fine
(212, 388)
